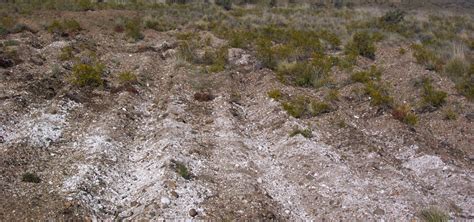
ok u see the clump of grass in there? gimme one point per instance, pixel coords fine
(393, 17)
(274, 94)
(317, 108)
(87, 75)
(66, 53)
(226, 4)
(133, 29)
(30, 178)
(366, 76)
(159, 25)
(402, 51)
(265, 54)
(426, 57)
(127, 78)
(182, 170)
(215, 60)
(379, 94)
(333, 95)
(306, 133)
(296, 107)
(450, 114)
(404, 114)
(306, 73)
(431, 97)
(64, 27)
(361, 44)
(433, 215)
(462, 75)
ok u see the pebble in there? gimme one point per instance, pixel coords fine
(165, 201)
(259, 180)
(193, 213)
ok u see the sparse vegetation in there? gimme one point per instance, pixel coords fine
(274, 94)
(431, 97)
(133, 29)
(367, 76)
(182, 170)
(379, 95)
(306, 133)
(362, 44)
(433, 215)
(30, 178)
(127, 78)
(404, 114)
(450, 114)
(87, 75)
(64, 27)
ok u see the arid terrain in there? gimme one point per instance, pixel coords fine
(197, 111)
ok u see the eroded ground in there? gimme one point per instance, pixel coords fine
(154, 150)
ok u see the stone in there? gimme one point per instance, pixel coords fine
(379, 211)
(193, 213)
(165, 201)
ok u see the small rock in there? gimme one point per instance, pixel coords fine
(174, 194)
(165, 201)
(193, 213)
(6, 63)
(379, 211)
(259, 180)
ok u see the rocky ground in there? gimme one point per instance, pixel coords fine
(179, 145)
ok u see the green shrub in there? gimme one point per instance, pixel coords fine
(449, 114)
(306, 133)
(159, 25)
(182, 170)
(215, 60)
(379, 94)
(87, 75)
(404, 114)
(66, 53)
(274, 94)
(361, 44)
(296, 107)
(30, 178)
(433, 215)
(426, 57)
(317, 108)
(226, 4)
(133, 29)
(64, 27)
(333, 95)
(393, 17)
(127, 77)
(365, 76)
(432, 97)
(265, 54)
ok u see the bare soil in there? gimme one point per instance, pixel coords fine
(110, 152)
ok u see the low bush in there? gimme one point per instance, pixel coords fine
(433, 215)
(274, 94)
(379, 95)
(431, 97)
(306, 133)
(404, 114)
(317, 108)
(426, 58)
(296, 107)
(361, 44)
(64, 27)
(133, 29)
(88, 75)
(127, 78)
(449, 114)
(30, 178)
(366, 76)
(66, 53)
